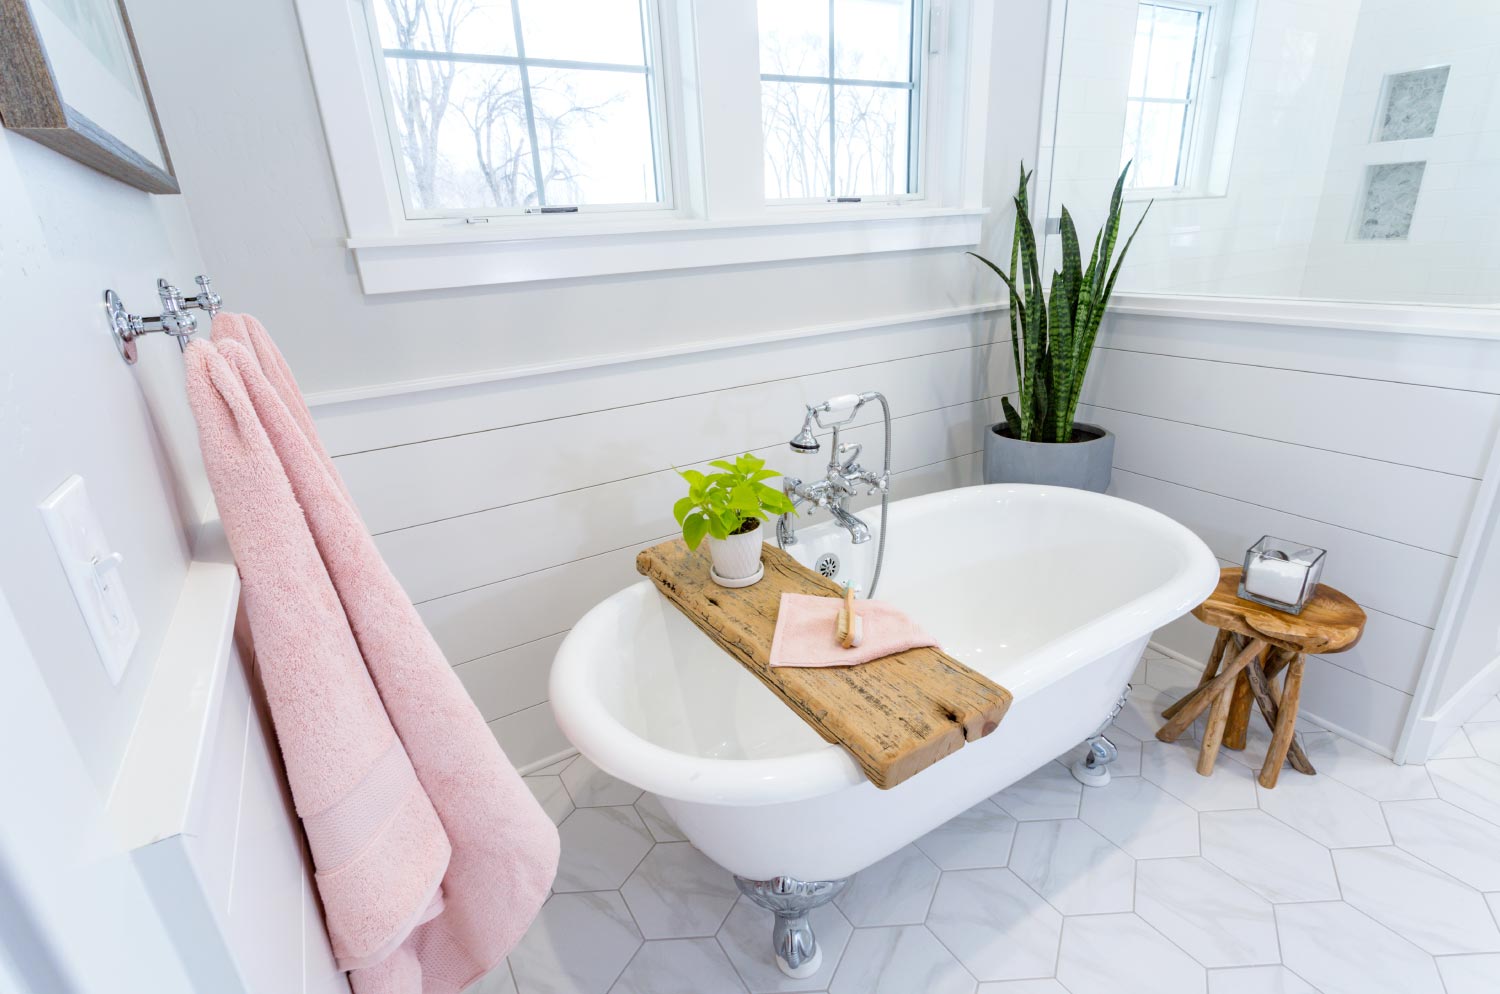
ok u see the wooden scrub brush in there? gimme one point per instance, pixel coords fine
(850, 630)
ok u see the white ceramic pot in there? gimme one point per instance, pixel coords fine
(738, 556)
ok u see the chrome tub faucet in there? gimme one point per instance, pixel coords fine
(845, 475)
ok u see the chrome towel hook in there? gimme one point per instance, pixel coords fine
(176, 317)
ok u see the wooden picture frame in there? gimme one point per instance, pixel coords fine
(32, 98)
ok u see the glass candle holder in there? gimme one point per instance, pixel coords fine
(1281, 574)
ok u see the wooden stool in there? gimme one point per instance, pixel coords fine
(1259, 643)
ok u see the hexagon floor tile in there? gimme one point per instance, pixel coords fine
(660, 824)
(1257, 980)
(1325, 811)
(899, 960)
(1074, 867)
(591, 787)
(1456, 842)
(1484, 736)
(1205, 911)
(1416, 900)
(579, 943)
(1049, 792)
(1121, 954)
(999, 928)
(1368, 878)
(600, 848)
(1276, 861)
(978, 837)
(1173, 766)
(552, 796)
(1141, 818)
(679, 893)
(1471, 784)
(1470, 974)
(1048, 986)
(1368, 772)
(679, 966)
(895, 891)
(1340, 950)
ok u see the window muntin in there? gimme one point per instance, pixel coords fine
(840, 88)
(1161, 106)
(512, 106)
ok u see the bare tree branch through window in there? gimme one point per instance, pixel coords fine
(838, 92)
(513, 104)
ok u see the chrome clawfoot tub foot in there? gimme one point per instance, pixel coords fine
(789, 899)
(1092, 768)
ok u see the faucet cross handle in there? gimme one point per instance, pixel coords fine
(850, 463)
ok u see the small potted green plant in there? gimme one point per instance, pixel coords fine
(727, 508)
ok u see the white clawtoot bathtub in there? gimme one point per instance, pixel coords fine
(1050, 592)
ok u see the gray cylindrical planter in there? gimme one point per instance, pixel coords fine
(1084, 465)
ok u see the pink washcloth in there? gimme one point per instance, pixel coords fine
(805, 632)
(432, 856)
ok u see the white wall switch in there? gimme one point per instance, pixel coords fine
(93, 571)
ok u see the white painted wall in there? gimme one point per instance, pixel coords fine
(1254, 240)
(509, 508)
(1452, 255)
(68, 404)
(1307, 433)
(76, 915)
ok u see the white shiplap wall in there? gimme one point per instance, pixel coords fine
(1369, 444)
(508, 509)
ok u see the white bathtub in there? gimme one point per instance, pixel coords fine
(1050, 592)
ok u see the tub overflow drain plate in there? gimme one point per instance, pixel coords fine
(828, 565)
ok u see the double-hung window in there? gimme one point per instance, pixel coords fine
(504, 141)
(840, 98)
(513, 106)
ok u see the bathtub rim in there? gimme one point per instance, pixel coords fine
(826, 768)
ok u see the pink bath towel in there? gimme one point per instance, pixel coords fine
(432, 856)
(805, 628)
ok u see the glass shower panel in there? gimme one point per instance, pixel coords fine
(1295, 150)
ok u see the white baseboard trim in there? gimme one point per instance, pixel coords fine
(1339, 730)
(542, 764)
(1429, 733)
(1180, 657)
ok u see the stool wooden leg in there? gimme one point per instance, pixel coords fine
(1237, 731)
(1213, 735)
(1194, 704)
(1210, 670)
(1276, 661)
(1286, 723)
(1263, 690)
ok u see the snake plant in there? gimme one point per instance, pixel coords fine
(1052, 337)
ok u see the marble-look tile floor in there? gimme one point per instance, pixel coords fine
(1367, 879)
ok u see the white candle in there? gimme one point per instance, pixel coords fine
(1276, 580)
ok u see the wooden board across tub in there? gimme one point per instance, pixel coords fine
(896, 716)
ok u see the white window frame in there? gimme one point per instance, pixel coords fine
(709, 83)
(1206, 96)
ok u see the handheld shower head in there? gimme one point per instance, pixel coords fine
(805, 440)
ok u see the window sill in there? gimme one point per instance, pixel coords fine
(575, 247)
(1166, 195)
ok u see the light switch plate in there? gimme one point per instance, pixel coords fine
(93, 571)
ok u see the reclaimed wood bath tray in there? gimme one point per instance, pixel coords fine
(896, 716)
